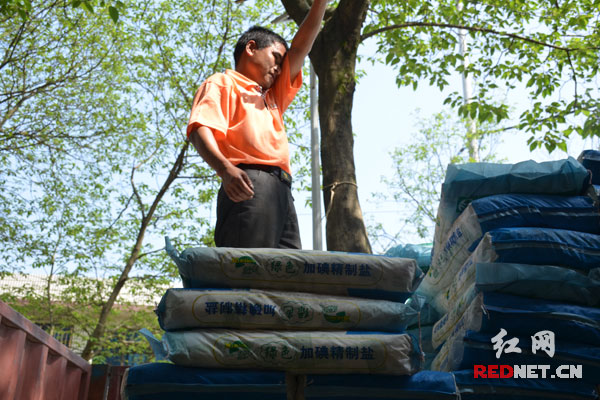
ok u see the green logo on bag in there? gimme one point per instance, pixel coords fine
(282, 268)
(238, 348)
(297, 312)
(337, 318)
(277, 352)
(329, 309)
(242, 261)
(247, 263)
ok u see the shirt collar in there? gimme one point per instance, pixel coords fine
(243, 81)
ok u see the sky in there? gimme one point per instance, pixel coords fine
(384, 118)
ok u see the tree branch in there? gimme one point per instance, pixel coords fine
(296, 9)
(136, 193)
(574, 74)
(88, 351)
(472, 29)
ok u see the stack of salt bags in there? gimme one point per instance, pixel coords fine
(291, 310)
(555, 264)
(173, 382)
(422, 385)
(590, 159)
(428, 315)
(485, 366)
(419, 252)
(467, 182)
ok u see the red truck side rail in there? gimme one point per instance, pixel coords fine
(34, 365)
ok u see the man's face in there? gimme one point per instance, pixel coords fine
(264, 64)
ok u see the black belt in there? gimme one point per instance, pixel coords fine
(278, 172)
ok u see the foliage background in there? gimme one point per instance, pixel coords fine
(95, 169)
(94, 166)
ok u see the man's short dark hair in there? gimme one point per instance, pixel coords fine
(263, 37)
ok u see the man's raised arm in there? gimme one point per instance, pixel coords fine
(305, 37)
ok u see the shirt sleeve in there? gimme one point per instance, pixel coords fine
(211, 107)
(285, 89)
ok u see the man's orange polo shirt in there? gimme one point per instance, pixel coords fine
(247, 124)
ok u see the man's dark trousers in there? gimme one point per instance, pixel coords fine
(267, 220)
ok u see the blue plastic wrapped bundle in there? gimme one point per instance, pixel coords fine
(477, 349)
(174, 382)
(521, 316)
(539, 281)
(542, 282)
(472, 388)
(576, 250)
(467, 182)
(419, 252)
(590, 159)
(555, 286)
(421, 386)
(537, 246)
(576, 213)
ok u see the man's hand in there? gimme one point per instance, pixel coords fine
(237, 184)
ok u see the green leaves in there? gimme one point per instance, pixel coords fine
(553, 48)
(112, 7)
(24, 8)
(92, 119)
(483, 112)
(114, 13)
(8, 8)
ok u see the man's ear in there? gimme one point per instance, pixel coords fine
(251, 47)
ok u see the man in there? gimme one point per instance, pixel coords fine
(236, 125)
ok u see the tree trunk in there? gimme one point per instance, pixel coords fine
(334, 58)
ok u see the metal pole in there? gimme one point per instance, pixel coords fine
(315, 165)
(473, 144)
